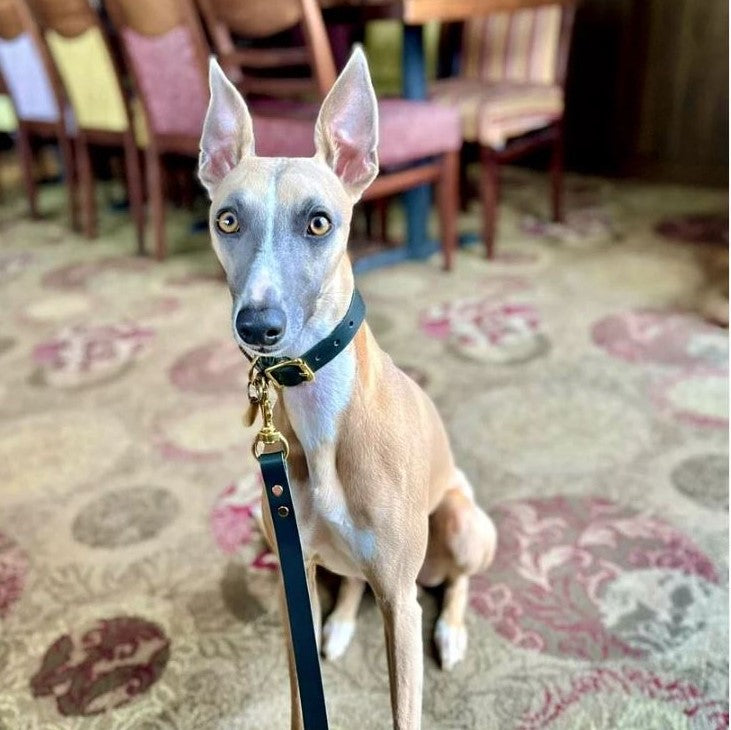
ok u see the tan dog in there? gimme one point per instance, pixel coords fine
(377, 494)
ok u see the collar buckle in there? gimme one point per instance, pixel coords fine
(305, 372)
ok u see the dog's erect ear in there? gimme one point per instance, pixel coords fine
(346, 135)
(228, 134)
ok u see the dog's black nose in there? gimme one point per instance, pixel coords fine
(258, 327)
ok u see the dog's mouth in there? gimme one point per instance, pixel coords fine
(261, 351)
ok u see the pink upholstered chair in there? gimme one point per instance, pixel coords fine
(167, 53)
(167, 56)
(38, 99)
(78, 46)
(510, 94)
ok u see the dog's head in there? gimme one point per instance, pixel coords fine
(280, 226)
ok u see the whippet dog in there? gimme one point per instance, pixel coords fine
(376, 490)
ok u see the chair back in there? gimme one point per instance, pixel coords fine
(25, 68)
(260, 63)
(528, 45)
(84, 61)
(167, 54)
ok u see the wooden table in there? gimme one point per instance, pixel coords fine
(414, 14)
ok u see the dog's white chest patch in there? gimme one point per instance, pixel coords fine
(361, 542)
(314, 409)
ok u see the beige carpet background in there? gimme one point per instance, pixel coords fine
(587, 403)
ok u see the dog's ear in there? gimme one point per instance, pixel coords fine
(346, 135)
(228, 134)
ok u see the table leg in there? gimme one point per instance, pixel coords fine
(417, 202)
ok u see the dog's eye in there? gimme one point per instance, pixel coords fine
(319, 225)
(227, 222)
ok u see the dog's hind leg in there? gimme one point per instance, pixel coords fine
(462, 542)
(340, 625)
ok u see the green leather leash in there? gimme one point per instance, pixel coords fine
(271, 449)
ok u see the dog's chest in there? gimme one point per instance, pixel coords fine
(329, 530)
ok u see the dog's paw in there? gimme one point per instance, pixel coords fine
(451, 643)
(336, 635)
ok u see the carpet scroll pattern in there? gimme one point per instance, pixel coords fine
(587, 403)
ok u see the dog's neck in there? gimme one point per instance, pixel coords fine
(314, 409)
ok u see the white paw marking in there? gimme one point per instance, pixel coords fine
(336, 635)
(451, 643)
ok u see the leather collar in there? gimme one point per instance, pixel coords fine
(288, 372)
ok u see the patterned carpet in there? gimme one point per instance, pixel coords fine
(587, 403)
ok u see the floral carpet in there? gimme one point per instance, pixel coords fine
(586, 400)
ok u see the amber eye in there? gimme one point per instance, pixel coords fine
(319, 225)
(227, 222)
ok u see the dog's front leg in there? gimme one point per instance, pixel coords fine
(402, 624)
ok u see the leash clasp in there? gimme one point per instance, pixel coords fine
(304, 369)
(268, 434)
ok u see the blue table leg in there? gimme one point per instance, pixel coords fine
(417, 201)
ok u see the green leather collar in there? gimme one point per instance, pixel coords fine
(288, 372)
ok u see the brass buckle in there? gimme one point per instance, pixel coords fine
(298, 362)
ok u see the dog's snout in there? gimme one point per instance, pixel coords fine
(263, 326)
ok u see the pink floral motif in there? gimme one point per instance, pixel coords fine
(583, 224)
(556, 557)
(235, 522)
(233, 518)
(558, 695)
(76, 276)
(216, 367)
(698, 397)
(473, 319)
(13, 570)
(666, 338)
(85, 353)
(489, 328)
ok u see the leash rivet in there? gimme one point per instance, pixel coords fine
(283, 511)
(336, 343)
(277, 490)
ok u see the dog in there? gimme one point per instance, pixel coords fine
(374, 483)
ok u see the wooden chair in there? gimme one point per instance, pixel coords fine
(80, 50)
(510, 94)
(419, 141)
(167, 55)
(38, 99)
(306, 70)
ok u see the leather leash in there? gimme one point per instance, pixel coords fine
(271, 449)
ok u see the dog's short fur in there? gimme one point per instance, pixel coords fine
(376, 490)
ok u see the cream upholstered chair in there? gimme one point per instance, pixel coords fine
(510, 93)
(79, 49)
(37, 96)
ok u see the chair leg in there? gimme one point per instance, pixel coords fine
(464, 181)
(382, 207)
(368, 209)
(134, 189)
(557, 175)
(72, 182)
(490, 183)
(448, 202)
(156, 197)
(25, 152)
(86, 184)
